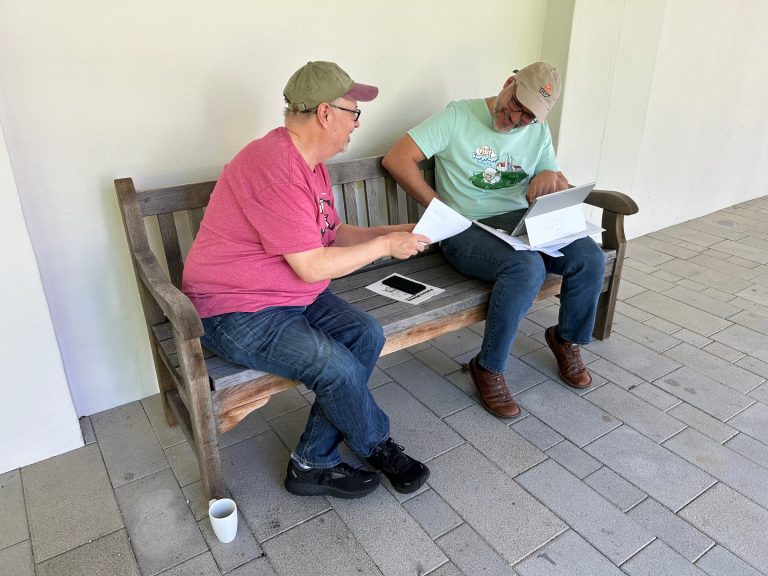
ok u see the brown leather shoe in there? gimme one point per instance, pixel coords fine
(493, 390)
(572, 369)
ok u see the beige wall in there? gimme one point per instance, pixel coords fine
(168, 91)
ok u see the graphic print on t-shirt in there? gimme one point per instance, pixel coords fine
(495, 173)
(326, 223)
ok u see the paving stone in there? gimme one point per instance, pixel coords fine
(536, 432)
(722, 351)
(258, 567)
(604, 526)
(638, 250)
(496, 440)
(413, 426)
(432, 513)
(756, 293)
(282, 403)
(725, 267)
(631, 311)
(662, 325)
(524, 345)
(254, 470)
(128, 443)
(680, 313)
(653, 469)
(643, 334)
(458, 342)
(644, 280)
(654, 396)
(630, 262)
(161, 527)
(250, 426)
(756, 321)
(569, 555)
(703, 302)
(471, 554)
(385, 362)
(241, 550)
(721, 370)
(690, 235)
(614, 488)
(733, 521)
(706, 276)
(437, 361)
(658, 558)
(668, 276)
(166, 435)
(13, 514)
(753, 421)
(570, 415)
(390, 536)
(632, 357)
(749, 447)
(720, 562)
(703, 422)
(691, 285)
(110, 555)
(749, 341)
(448, 569)
(672, 529)
(202, 565)
(197, 502)
(692, 338)
(718, 295)
(86, 428)
(703, 392)
(502, 513)
(613, 373)
(290, 426)
(434, 391)
(327, 547)
(760, 393)
(16, 560)
(183, 462)
(646, 419)
(573, 459)
(69, 501)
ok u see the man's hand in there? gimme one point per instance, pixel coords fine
(546, 182)
(403, 245)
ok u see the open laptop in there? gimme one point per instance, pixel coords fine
(548, 219)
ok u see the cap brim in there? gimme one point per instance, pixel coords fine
(361, 92)
(529, 99)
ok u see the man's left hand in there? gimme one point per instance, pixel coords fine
(546, 182)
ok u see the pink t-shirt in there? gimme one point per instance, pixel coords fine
(266, 203)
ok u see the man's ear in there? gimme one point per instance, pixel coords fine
(322, 113)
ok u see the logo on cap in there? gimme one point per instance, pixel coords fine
(546, 90)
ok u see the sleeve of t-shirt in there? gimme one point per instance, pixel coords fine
(548, 158)
(433, 134)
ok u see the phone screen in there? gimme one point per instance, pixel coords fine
(403, 284)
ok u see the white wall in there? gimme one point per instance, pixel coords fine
(167, 92)
(37, 418)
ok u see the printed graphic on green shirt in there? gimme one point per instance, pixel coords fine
(497, 173)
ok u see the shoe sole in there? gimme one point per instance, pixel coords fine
(414, 486)
(559, 373)
(314, 490)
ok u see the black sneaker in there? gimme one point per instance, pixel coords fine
(406, 474)
(341, 481)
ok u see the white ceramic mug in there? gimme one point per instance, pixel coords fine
(223, 516)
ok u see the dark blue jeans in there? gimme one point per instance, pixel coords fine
(331, 347)
(517, 276)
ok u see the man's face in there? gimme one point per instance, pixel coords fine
(508, 113)
(344, 122)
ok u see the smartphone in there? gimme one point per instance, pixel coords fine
(403, 284)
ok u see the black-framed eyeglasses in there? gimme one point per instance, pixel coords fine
(356, 111)
(525, 117)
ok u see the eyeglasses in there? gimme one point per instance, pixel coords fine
(525, 117)
(356, 111)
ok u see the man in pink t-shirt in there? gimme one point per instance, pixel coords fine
(258, 274)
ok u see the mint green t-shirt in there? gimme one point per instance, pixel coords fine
(481, 172)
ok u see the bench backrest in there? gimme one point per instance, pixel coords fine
(366, 195)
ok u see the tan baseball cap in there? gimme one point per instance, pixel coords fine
(318, 82)
(538, 88)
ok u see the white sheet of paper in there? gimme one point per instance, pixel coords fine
(440, 222)
(553, 249)
(401, 296)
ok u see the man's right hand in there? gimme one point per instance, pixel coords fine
(403, 245)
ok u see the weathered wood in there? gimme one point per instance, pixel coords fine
(208, 395)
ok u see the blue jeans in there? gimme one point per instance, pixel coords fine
(331, 347)
(517, 276)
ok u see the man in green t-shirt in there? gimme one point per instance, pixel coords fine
(494, 155)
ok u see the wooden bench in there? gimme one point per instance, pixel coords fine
(209, 395)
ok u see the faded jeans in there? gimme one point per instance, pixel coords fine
(331, 347)
(517, 276)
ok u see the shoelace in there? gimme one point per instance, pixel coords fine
(575, 363)
(393, 455)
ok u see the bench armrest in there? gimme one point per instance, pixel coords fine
(612, 201)
(174, 303)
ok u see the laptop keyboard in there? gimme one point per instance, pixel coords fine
(507, 221)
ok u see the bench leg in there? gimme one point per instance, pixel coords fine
(167, 384)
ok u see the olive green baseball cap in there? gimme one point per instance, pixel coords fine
(318, 82)
(538, 88)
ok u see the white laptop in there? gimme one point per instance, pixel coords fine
(548, 219)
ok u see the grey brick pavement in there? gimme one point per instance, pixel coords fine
(660, 467)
